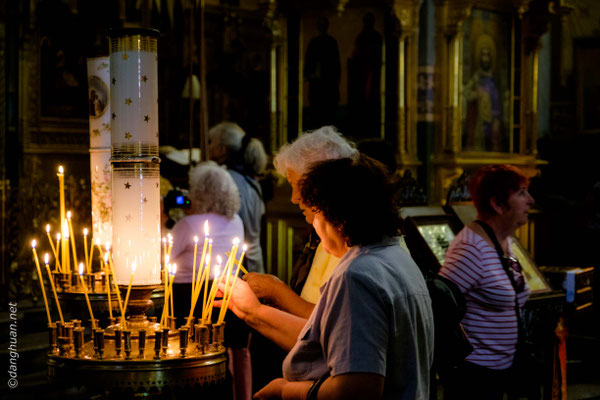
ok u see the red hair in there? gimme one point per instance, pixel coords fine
(495, 182)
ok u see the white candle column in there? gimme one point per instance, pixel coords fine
(99, 117)
(134, 150)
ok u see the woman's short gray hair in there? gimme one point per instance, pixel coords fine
(230, 135)
(325, 143)
(212, 190)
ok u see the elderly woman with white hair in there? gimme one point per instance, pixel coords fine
(245, 159)
(214, 198)
(315, 265)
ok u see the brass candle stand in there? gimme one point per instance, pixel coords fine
(142, 357)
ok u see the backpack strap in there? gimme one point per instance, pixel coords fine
(488, 229)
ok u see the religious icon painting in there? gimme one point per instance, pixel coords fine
(98, 96)
(487, 99)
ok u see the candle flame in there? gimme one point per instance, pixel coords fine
(133, 266)
(80, 268)
(196, 239)
(208, 259)
(236, 241)
(244, 247)
(47, 228)
(85, 231)
(107, 246)
(61, 170)
(210, 241)
(98, 242)
(105, 257)
(46, 258)
(68, 214)
(206, 228)
(167, 259)
(164, 240)
(58, 236)
(219, 260)
(174, 269)
(169, 268)
(170, 237)
(33, 243)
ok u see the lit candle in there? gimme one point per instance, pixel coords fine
(112, 271)
(213, 290)
(72, 234)
(228, 294)
(203, 256)
(107, 284)
(61, 191)
(164, 242)
(228, 269)
(46, 259)
(173, 272)
(194, 269)
(196, 294)
(39, 272)
(170, 240)
(87, 299)
(167, 272)
(206, 278)
(65, 257)
(58, 253)
(129, 288)
(87, 264)
(52, 246)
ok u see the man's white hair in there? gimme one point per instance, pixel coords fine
(325, 143)
(230, 135)
(212, 190)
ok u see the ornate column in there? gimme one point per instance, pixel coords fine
(407, 15)
(277, 76)
(450, 15)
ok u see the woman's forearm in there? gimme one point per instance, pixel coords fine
(279, 326)
(351, 385)
(289, 301)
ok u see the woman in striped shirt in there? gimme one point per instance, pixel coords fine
(501, 197)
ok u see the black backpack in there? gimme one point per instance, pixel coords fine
(448, 304)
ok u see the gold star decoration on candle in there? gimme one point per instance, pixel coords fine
(128, 218)
(144, 200)
(127, 185)
(96, 132)
(114, 115)
(114, 81)
(156, 134)
(127, 135)
(128, 101)
(156, 184)
(144, 78)
(125, 56)
(146, 118)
